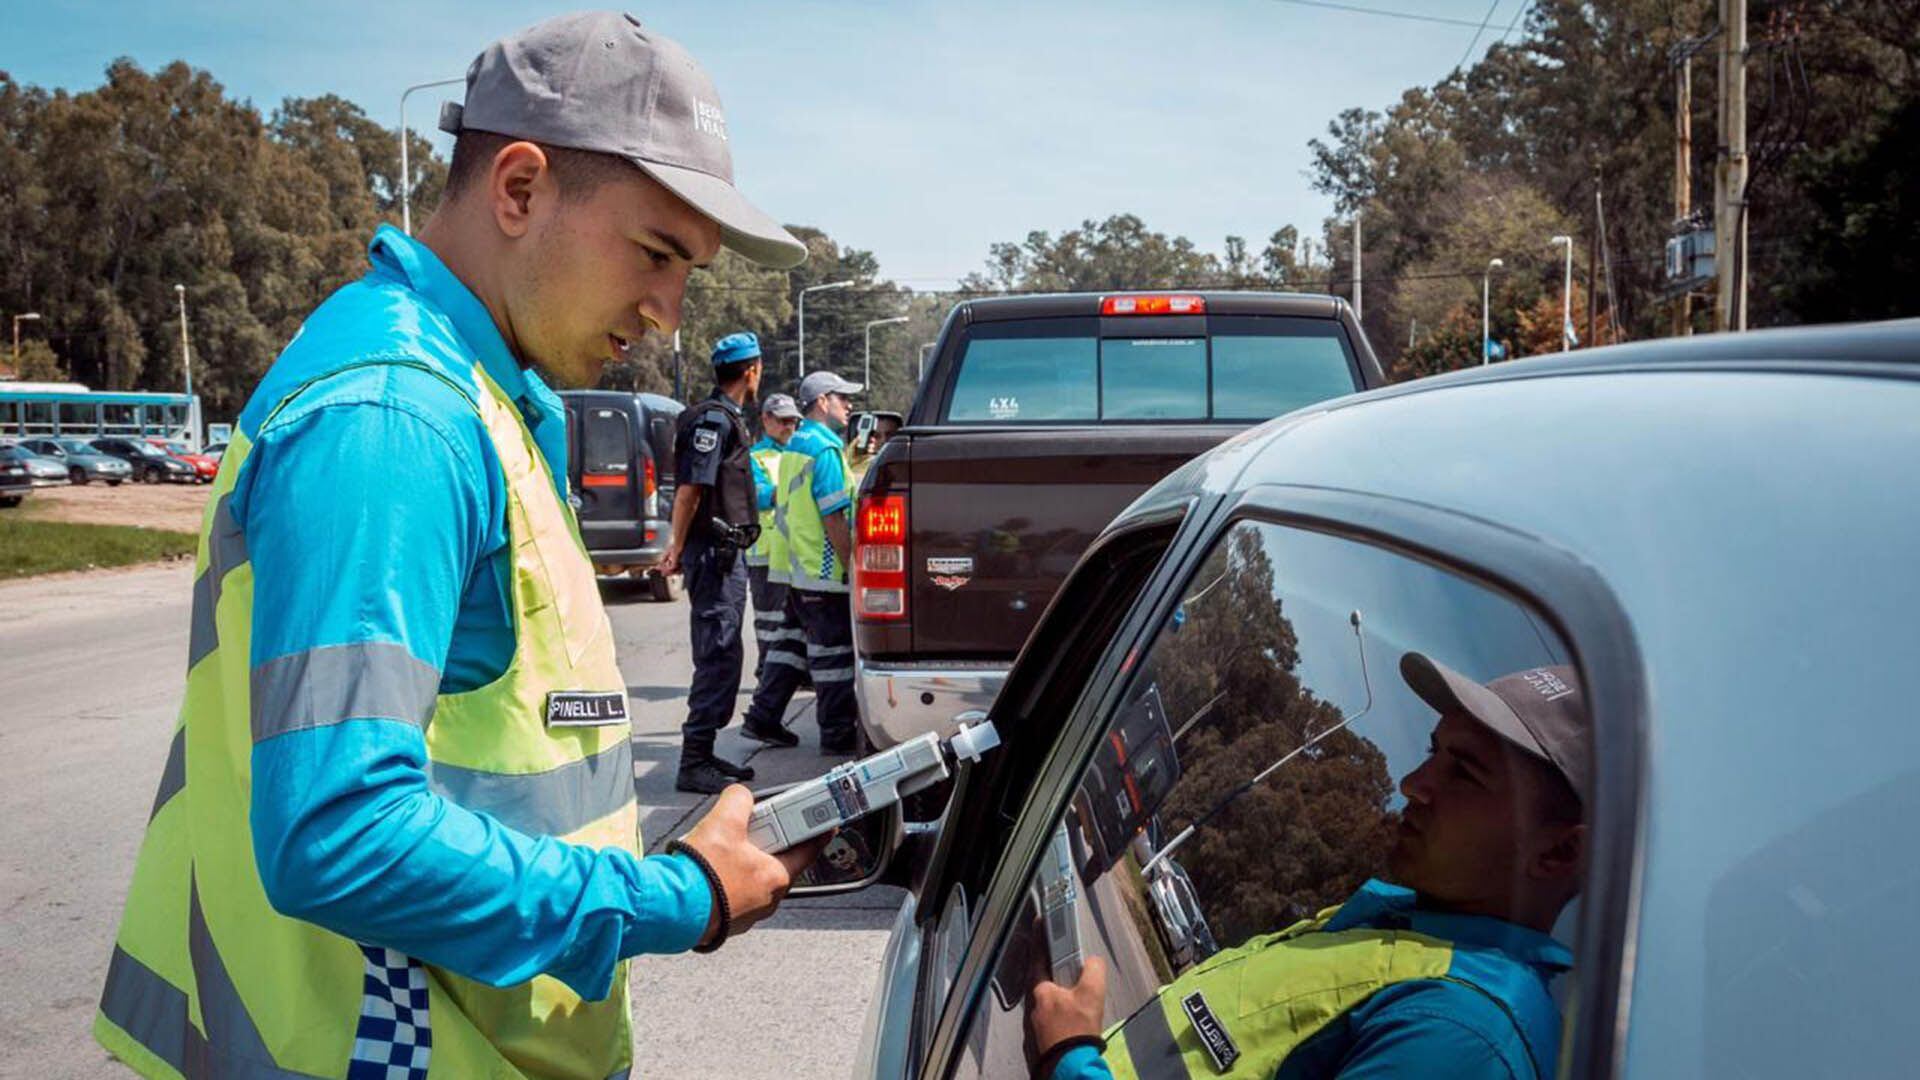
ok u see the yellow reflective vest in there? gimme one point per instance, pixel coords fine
(208, 980)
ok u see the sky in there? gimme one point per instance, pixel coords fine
(923, 132)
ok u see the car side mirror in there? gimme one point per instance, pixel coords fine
(855, 858)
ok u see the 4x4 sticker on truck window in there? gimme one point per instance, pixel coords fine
(1003, 408)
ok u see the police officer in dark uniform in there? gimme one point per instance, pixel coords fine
(714, 522)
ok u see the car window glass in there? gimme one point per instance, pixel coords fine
(608, 446)
(1284, 747)
(1153, 378)
(1256, 377)
(1009, 379)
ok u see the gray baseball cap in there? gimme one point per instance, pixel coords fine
(599, 81)
(820, 383)
(780, 405)
(1540, 710)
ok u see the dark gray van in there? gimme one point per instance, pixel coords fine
(620, 470)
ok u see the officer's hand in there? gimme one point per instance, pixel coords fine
(755, 882)
(669, 562)
(1057, 1013)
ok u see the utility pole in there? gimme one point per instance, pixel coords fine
(1593, 294)
(1683, 178)
(1730, 173)
(1356, 265)
(186, 365)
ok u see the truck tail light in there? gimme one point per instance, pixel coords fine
(880, 558)
(650, 492)
(1157, 304)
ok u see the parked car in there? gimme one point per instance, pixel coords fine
(205, 468)
(620, 470)
(1711, 539)
(215, 450)
(83, 463)
(148, 462)
(15, 483)
(1040, 418)
(43, 471)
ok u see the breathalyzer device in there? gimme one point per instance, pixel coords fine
(858, 788)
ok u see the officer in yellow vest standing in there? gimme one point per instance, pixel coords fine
(814, 508)
(1444, 975)
(782, 665)
(396, 833)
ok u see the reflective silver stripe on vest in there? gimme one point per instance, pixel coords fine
(318, 687)
(233, 1046)
(154, 1013)
(226, 549)
(552, 803)
(1150, 1044)
(174, 776)
(146, 1007)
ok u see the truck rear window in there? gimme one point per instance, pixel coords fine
(1246, 368)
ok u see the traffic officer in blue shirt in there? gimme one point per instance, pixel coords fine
(715, 521)
(396, 834)
(1444, 975)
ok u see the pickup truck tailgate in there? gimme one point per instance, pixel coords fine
(978, 582)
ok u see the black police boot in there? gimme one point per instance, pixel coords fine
(701, 778)
(741, 773)
(771, 734)
(839, 743)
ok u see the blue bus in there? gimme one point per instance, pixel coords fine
(45, 410)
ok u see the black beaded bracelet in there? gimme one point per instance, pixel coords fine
(679, 847)
(1043, 1069)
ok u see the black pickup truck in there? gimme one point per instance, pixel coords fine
(1038, 419)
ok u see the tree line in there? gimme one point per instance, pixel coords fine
(111, 196)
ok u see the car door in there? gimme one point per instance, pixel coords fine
(1239, 762)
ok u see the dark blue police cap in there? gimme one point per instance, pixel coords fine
(736, 347)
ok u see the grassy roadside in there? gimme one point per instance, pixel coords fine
(29, 546)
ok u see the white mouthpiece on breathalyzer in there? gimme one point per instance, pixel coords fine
(974, 740)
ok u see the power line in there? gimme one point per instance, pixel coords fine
(1491, 8)
(1385, 13)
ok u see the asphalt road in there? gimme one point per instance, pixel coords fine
(90, 680)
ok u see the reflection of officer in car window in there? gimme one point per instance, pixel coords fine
(1444, 975)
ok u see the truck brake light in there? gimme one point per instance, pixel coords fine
(649, 492)
(1159, 304)
(880, 558)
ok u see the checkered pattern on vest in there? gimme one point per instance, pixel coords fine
(394, 1039)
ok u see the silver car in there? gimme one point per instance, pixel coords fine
(83, 464)
(1711, 540)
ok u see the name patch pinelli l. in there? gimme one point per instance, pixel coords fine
(586, 708)
(1213, 1034)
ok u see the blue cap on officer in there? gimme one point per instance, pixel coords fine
(736, 347)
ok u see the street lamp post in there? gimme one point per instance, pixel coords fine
(1566, 294)
(868, 332)
(1486, 323)
(31, 316)
(803, 317)
(406, 177)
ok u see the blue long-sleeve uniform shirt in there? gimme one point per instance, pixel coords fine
(762, 483)
(374, 510)
(1439, 1030)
